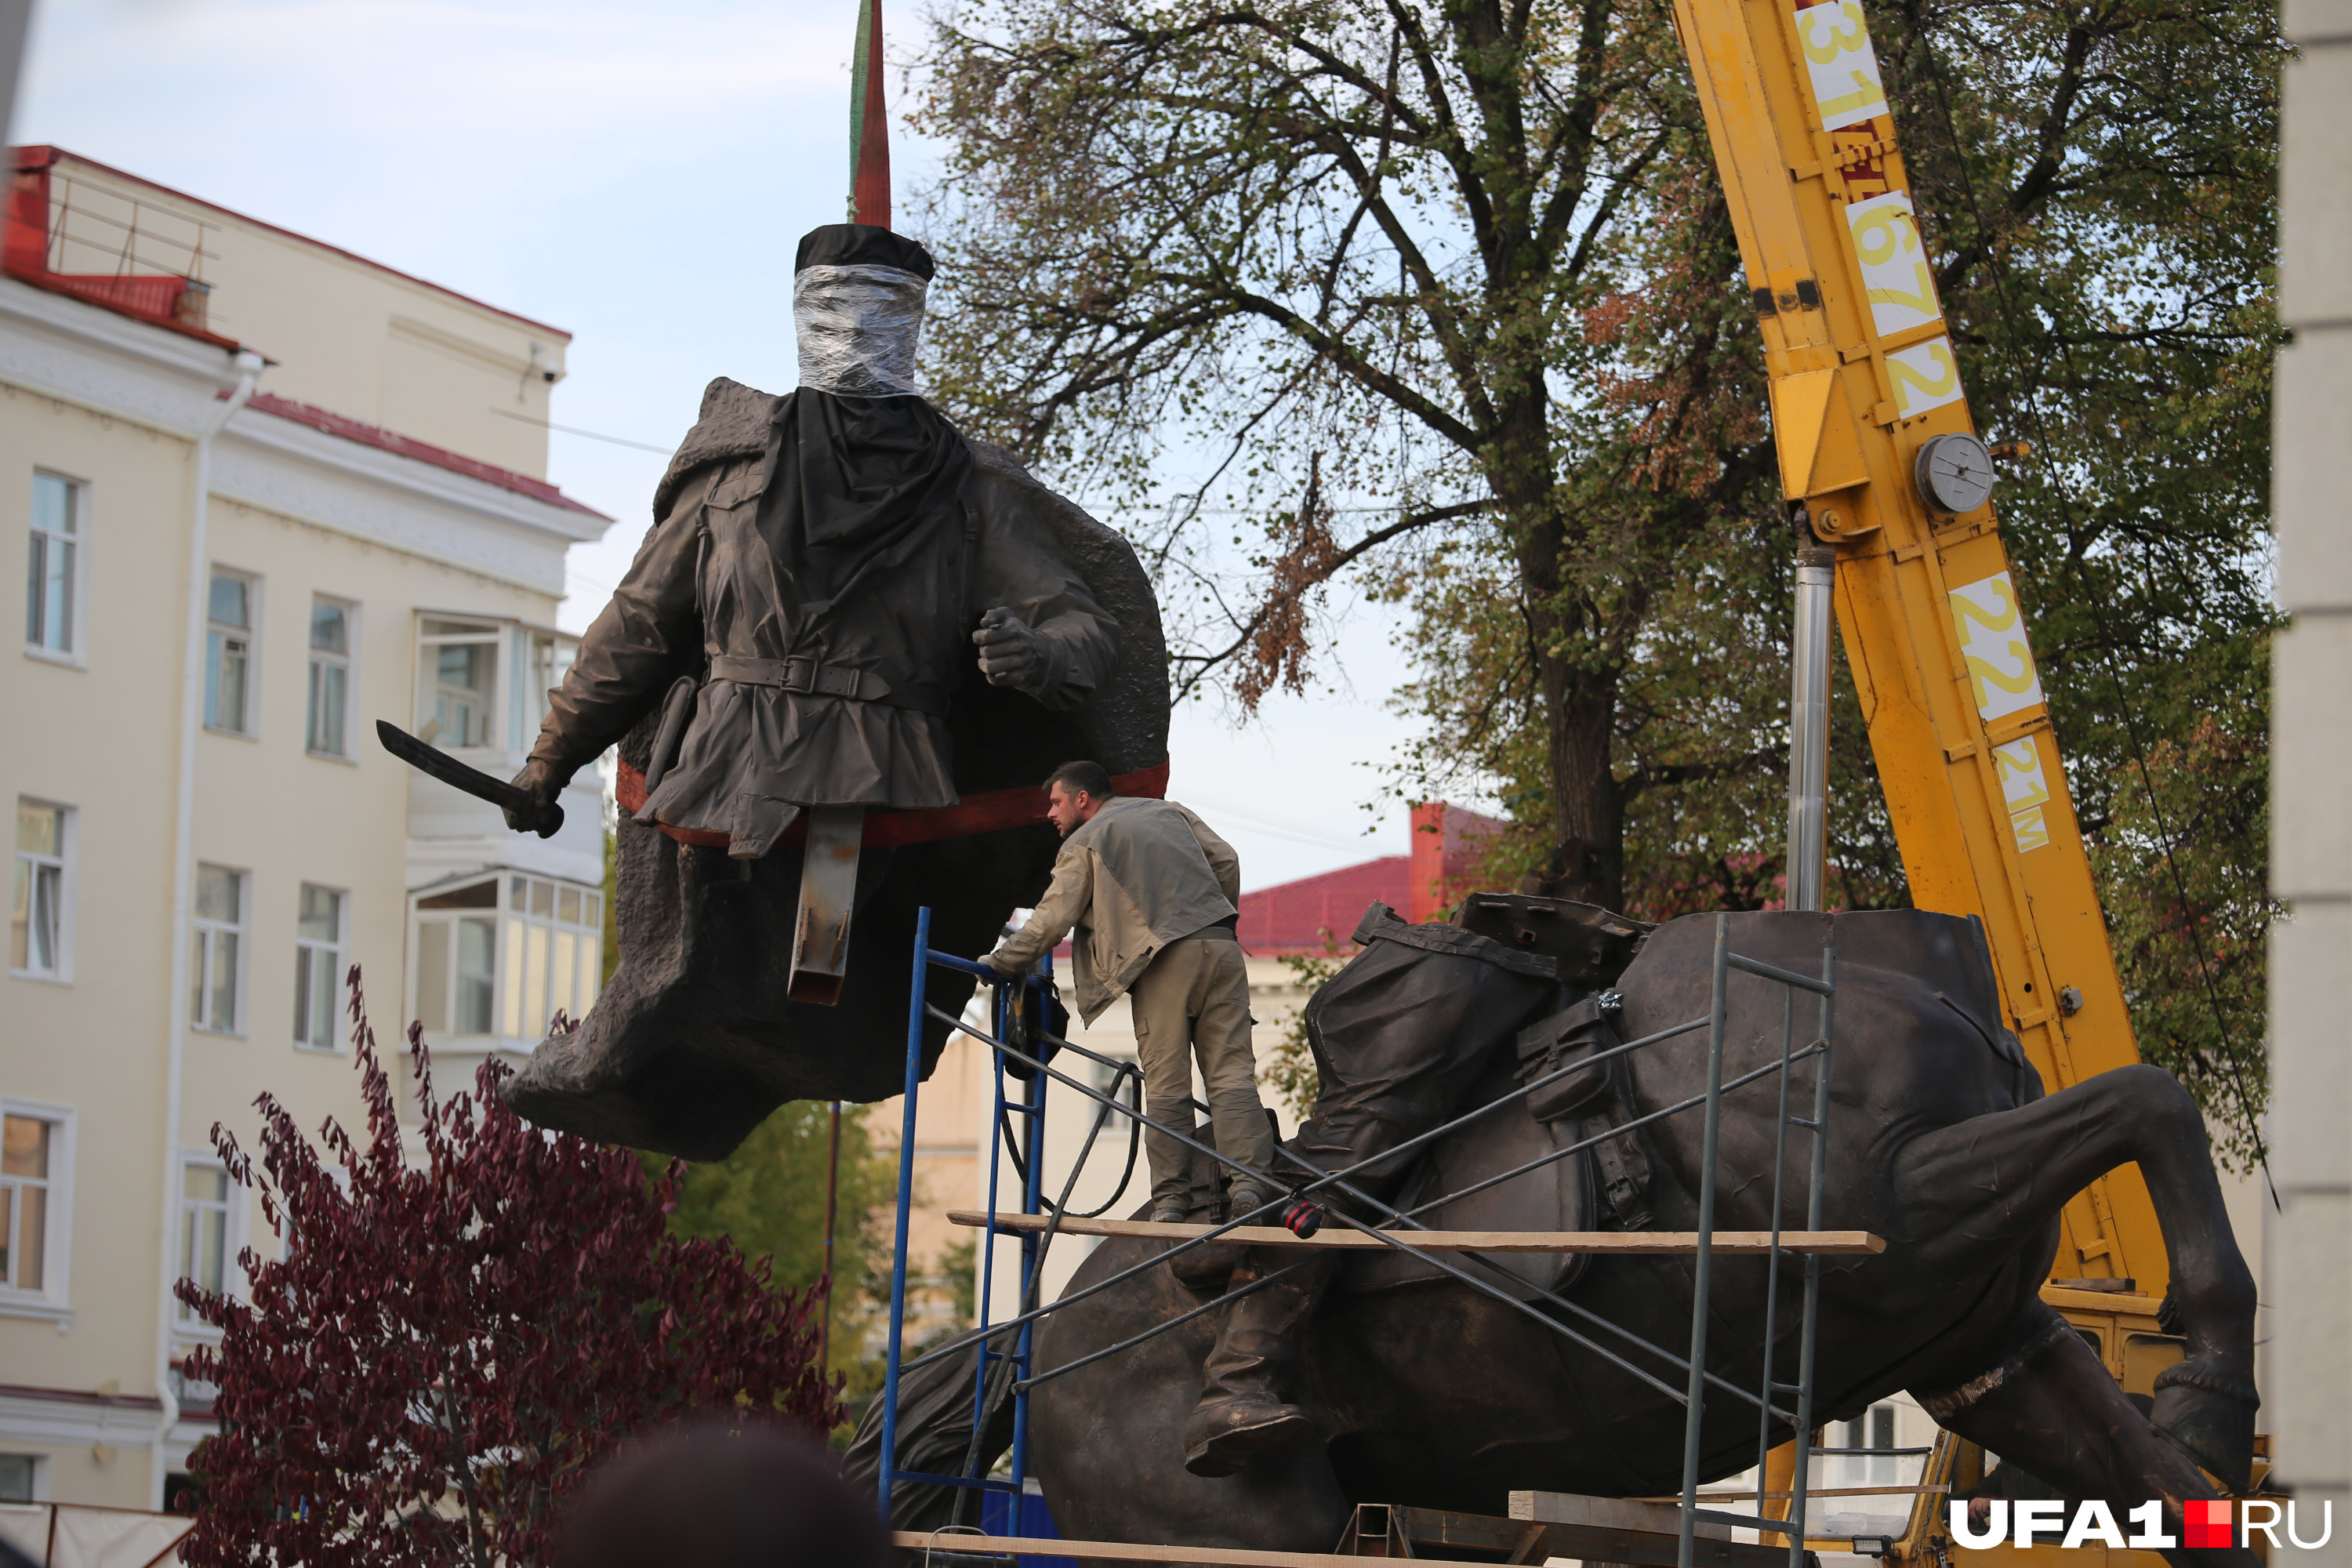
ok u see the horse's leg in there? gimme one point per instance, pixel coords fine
(1106, 1438)
(2053, 1410)
(1974, 1192)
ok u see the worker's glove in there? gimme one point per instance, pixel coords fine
(1014, 653)
(544, 781)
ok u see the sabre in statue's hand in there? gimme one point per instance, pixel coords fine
(1011, 652)
(542, 781)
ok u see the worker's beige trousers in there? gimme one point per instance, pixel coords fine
(1194, 999)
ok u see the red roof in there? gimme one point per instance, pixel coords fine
(440, 458)
(1314, 914)
(162, 301)
(40, 157)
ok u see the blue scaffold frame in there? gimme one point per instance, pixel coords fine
(1028, 1151)
(1029, 1108)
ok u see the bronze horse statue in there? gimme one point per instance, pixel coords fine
(1427, 1392)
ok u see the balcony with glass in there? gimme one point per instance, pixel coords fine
(496, 958)
(480, 695)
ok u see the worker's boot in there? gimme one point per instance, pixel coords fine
(1242, 1413)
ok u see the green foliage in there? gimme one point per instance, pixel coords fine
(612, 954)
(1289, 1070)
(768, 1197)
(2103, 181)
(1454, 266)
(957, 1264)
(2190, 919)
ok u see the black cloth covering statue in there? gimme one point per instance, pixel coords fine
(827, 588)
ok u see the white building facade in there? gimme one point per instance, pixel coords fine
(267, 493)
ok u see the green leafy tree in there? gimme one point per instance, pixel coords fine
(768, 1199)
(2104, 185)
(1459, 262)
(768, 1196)
(1290, 1071)
(1443, 298)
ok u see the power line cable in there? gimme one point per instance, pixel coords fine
(575, 430)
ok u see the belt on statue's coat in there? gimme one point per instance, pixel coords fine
(815, 678)
(990, 812)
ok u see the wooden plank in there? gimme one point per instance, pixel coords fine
(1433, 1526)
(1592, 1542)
(1595, 1543)
(1818, 1491)
(1118, 1550)
(1821, 1492)
(1654, 1243)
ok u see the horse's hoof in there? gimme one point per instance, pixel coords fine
(2206, 1409)
(1221, 1437)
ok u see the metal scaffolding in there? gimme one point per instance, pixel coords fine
(1015, 1015)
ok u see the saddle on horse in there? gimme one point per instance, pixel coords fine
(1425, 1023)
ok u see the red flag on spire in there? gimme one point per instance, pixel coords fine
(869, 127)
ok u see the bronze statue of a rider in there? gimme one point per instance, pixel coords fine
(823, 583)
(851, 633)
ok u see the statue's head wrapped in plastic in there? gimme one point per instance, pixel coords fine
(858, 294)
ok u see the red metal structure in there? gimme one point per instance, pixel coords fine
(869, 126)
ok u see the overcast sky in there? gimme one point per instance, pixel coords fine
(638, 174)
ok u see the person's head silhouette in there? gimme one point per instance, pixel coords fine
(711, 1498)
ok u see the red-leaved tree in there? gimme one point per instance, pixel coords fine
(458, 1331)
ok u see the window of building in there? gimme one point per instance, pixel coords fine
(542, 659)
(216, 971)
(554, 949)
(1869, 1442)
(39, 922)
(206, 1255)
(327, 729)
(20, 1478)
(228, 653)
(318, 967)
(456, 960)
(457, 683)
(35, 1164)
(534, 946)
(484, 683)
(52, 578)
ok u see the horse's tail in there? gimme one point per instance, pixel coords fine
(938, 1435)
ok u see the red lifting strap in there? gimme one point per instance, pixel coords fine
(993, 812)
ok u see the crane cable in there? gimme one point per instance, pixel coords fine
(2059, 489)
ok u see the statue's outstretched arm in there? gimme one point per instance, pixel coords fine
(650, 634)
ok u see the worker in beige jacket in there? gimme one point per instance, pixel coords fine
(1150, 897)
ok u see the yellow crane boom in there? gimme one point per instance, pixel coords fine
(1874, 437)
